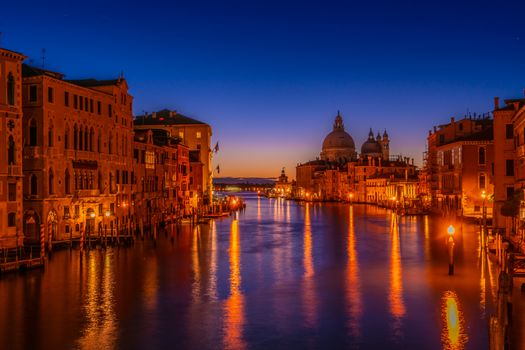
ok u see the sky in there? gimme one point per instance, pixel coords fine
(270, 76)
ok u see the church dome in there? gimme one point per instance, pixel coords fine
(371, 147)
(338, 145)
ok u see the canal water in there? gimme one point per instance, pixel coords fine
(283, 275)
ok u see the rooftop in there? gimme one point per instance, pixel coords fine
(165, 117)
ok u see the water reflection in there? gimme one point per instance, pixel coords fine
(100, 331)
(397, 305)
(234, 305)
(353, 287)
(212, 275)
(453, 333)
(309, 295)
(196, 264)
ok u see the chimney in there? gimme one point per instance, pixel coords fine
(452, 120)
(496, 102)
(435, 128)
(154, 115)
(516, 106)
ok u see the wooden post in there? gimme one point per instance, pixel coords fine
(42, 242)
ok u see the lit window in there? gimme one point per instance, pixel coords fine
(198, 134)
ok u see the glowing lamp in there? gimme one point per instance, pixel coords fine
(108, 213)
(451, 230)
(92, 215)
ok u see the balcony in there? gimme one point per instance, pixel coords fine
(14, 170)
(88, 193)
(32, 152)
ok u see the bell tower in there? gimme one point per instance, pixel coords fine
(385, 143)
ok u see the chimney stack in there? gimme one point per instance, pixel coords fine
(496, 102)
(452, 119)
(516, 106)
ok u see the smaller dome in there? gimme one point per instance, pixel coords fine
(371, 147)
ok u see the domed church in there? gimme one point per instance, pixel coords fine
(377, 147)
(338, 146)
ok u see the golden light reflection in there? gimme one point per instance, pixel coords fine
(397, 305)
(426, 231)
(101, 325)
(482, 283)
(453, 335)
(195, 262)
(234, 305)
(258, 208)
(353, 290)
(212, 275)
(309, 295)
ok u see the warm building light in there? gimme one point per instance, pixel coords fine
(92, 215)
(483, 195)
(451, 230)
(108, 213)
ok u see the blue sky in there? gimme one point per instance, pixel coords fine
(269, 76)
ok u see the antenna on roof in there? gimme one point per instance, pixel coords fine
(43, 57)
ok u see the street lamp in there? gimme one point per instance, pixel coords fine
(450, 244)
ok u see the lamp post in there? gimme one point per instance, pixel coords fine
(450, 244)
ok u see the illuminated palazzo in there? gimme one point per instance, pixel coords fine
(75, 161)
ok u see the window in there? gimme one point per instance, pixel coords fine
(441, 139)
(91, 105)
(77, 211)
(509, 167)
(86, 104)
(510, 192)
(75, 101)
(509, 131)
(181, 135)
(32, 133)
(110, 112)
(75, 137)
(11, 158)
(11, 219)
(67, 182)
(66, 138)
(51, 182)
(460, 126)
(66, 98)
(33, 96)
(50, 137)
(81, 102)
(66, 215)
(100, 210)
(10, 89)
(33, 184)
(99, 108)
(50, 97)
(198, 134)
(481, 156)
(482, 181)
(11, 192)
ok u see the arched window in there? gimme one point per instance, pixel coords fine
(67, 180)
(50, 136)
(109, 143)
(33, 184)
(11, 155)
(10, 89)
(100, 187)
(110, 182)
(99, 143)
(75, 137)
(90, 180)
(11, 219)
(75, 179)
(85, 178)
(32, 133)
(482, 155)
(86, 139)
(80, 139)
(66, 138)
(51, 184)
(91, 139)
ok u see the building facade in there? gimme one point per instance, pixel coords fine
(11, 141)
(196, 135)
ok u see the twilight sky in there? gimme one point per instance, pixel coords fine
(269, 76)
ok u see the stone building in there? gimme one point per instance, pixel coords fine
(458, 165)
(11, 200)
(196, 135)
(282, 185)
(77, 154)
(161, 167)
